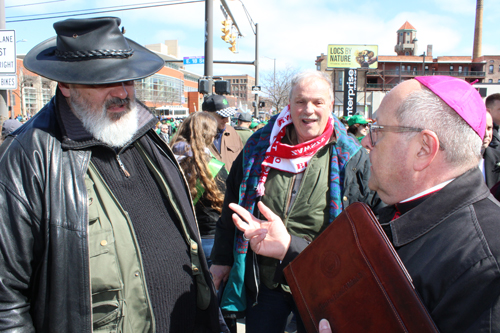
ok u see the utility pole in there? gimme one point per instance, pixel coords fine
(4, 113)
(256, 110)
(209, 42)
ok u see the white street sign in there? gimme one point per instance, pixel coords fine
(7, 52)
(8, 82)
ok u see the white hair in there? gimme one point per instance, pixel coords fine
(298, 78)
(423, 109)
(113, 129)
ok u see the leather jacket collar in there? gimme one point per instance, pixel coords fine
(464, 190)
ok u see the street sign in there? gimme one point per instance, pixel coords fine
(7, 52)
(8, 82)
(255, 88)
(194, 60)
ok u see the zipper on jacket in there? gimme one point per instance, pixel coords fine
(289, 198)
(125, 172)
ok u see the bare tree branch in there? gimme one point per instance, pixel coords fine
(277, 86)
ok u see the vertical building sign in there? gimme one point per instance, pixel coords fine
(350, 91)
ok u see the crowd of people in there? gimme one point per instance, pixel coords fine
(114, 221)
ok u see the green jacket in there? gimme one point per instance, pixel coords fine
(244, 133)
(307, 216)
(118, 285)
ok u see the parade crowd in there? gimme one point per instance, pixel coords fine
(113, 220)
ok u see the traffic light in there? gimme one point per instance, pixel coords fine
(203, 86)
(222, 87)
(226, 30)
(232, 48)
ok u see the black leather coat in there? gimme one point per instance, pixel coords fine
(44, 257)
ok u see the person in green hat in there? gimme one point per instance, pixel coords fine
(358, 127)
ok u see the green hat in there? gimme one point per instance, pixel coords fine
(357, 119)
(253, 124)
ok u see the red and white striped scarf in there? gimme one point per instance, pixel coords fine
(293, 159)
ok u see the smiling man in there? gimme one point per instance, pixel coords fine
(306, 169)
(97, 227)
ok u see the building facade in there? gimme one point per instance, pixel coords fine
(373, 83)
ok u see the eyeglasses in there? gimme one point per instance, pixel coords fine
(374, 129)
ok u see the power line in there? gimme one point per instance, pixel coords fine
(31, 4)
(93, 11)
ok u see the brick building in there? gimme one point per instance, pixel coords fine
(241, 89)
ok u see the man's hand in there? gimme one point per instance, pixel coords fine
(219, 273)
(324, 326)
(269, 238)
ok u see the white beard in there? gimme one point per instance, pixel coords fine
(115, 130)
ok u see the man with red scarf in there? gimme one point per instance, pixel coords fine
(306, 169)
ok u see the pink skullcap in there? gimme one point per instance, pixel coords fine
(461, 97)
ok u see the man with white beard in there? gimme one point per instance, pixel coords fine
(97, 229)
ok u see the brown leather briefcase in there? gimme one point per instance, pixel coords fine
(352, 276)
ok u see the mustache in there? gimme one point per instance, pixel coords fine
(116, 101)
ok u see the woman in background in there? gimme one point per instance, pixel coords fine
(205, 175)
(358, 127)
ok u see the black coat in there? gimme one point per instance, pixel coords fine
(450, 246)
(491, 166)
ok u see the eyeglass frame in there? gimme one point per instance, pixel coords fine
(397, 129)
(386, 128)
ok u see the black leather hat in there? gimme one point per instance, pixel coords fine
(91, 51)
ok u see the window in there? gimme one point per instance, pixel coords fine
(426, 68)
(490, 81)
(451, 68)
(407, 34)
(498, 80)
(414, 69)
(407, 53)
(460, 69)
(409, 68)
(491, 69)
(29, 96)
(160, 89)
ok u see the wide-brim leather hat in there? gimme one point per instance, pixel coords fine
(91, 51)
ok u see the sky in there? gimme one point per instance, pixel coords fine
(293, 32)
